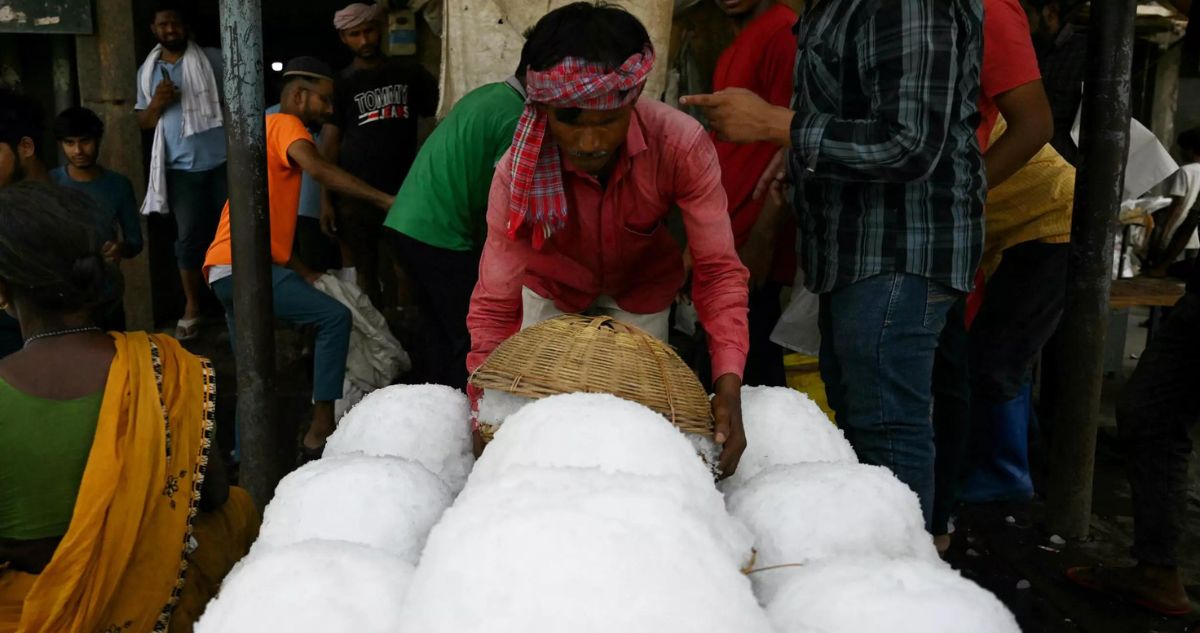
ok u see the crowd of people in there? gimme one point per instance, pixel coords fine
(911, 159)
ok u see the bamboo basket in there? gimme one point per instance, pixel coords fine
(573, 353)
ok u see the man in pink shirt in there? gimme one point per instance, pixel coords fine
(578, 207)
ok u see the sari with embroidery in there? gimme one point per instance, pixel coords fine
(121, 565)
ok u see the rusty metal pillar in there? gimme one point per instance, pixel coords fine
(1104, 146)
(265, 447)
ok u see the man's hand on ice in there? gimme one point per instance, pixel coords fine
(727, 412)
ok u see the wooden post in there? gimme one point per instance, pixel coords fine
(1104, 146)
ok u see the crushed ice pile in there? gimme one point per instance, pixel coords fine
(342, 536)
(591, 513)
(586, 513)
(841, 546)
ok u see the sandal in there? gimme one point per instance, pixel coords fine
(1094, 579)
(187, 329)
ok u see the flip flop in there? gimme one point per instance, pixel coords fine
(187, 329)
(1082, 576)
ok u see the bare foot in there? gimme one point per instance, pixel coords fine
(1158, 589)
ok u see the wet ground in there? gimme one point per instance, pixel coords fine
(1005, 548)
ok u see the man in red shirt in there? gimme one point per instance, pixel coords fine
(1010, 84)
(578, 223)
(760, 59)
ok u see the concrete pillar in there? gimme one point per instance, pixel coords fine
(1166, 96)
(107, 65)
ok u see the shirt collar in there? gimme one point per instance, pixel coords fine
(515, 84)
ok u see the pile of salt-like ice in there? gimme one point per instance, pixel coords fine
(783, 426)
(647, 504)
(808, 512)
(340, 538)
(495, 406)
(878, 595)
(841, 546)
(429, 424)
(586, 513)
(593, 431)
(385, 502)
(311, 587)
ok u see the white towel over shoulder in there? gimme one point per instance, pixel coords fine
(201, 103)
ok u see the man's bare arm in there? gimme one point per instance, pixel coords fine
(1030, 126)
(305, 155)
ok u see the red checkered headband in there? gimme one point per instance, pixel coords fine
(538, 198)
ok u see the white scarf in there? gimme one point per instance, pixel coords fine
(201, 104)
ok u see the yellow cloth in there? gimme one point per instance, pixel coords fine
(224, 537)
(120, 566)
(1033, 205)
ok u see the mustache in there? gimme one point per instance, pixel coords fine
(588, 155)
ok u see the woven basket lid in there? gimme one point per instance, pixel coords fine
(573, 353)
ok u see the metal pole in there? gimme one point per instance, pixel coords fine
(264, 445)
(1104, 146)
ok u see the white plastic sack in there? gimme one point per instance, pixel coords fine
(376, 357)
(797, 328)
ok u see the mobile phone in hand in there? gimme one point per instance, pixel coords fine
(165, 75)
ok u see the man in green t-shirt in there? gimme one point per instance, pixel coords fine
(438, 222)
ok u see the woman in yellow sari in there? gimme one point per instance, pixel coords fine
(112, 517)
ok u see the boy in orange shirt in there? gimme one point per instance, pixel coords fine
(305, 103)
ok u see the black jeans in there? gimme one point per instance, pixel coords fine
(1020, 312)
(1021, 309)
(196, 199)
(764, 362)
(1159, 406)
(444, 281)
(951, 414)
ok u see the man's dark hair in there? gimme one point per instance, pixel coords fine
(20, 117)
(1189, 141)
(78, 122)
(49, 247)
(173, 6)
(302, 80)
(595, 31)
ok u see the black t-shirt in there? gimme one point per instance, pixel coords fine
(377, 110)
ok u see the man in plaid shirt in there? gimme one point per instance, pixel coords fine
(890, 195)
(578, 206)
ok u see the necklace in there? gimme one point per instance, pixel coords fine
(53, 333)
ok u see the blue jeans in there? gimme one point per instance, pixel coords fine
(878, 338)
(295, 301)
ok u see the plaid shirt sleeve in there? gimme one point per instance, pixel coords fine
(906, 53)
